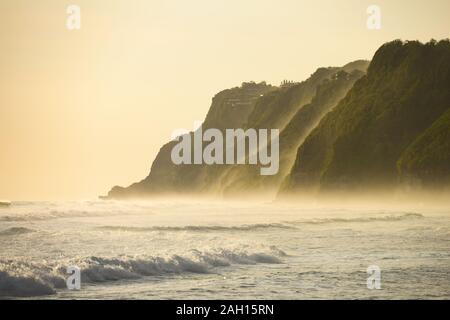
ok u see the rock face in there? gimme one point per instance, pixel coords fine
(426, 161)
(391, 128)
(229, 109)
(258, 106)
(359, 126)
(328, 93)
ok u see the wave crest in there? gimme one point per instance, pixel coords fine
(249, 227)
(15, 231)
(391, 217)
(22, 279)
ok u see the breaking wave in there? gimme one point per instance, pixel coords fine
(24, 279)
(392, 217)
(250, 227)
(257, 227)
(15, 231)
(50, 215)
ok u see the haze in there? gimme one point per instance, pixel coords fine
(81, 111)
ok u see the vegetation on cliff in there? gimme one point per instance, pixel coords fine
(359, 144)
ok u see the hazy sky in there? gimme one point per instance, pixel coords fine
(81, 111)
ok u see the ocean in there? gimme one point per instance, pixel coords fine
(222, 250)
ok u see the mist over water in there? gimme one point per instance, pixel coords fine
(202, 249)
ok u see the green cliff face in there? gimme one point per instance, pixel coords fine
(328, 93)
(229, 109)
(341, 129)
(257, 106)
(380, 131)
(426, 161)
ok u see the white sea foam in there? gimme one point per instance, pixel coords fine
(20, 278)
(381, 218)
(146, 246)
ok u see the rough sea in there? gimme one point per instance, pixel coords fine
(217, 250)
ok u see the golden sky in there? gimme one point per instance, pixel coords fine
(83, 110)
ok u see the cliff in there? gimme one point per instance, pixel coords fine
(360, 126)
(258, 106)
(387, 127)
